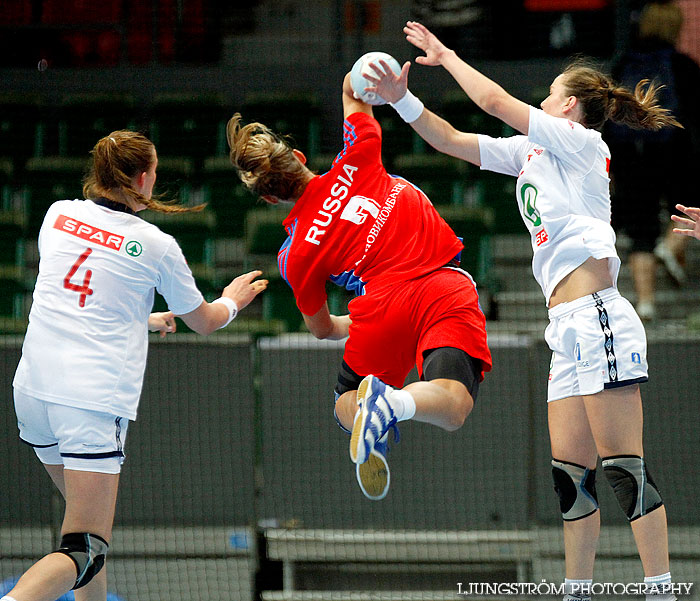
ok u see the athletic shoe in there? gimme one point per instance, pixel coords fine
(373, 420)
(670, 262)
(373, 475)
(646, 311)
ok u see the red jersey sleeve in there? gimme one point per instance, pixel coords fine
(361, 134)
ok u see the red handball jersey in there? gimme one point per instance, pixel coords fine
(359, 226)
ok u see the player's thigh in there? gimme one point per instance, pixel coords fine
(91, 499)
(616, 419)
(570, 434)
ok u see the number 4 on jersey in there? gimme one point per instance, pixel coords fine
(83, 289)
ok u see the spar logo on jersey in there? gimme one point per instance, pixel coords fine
(133, 248)
(88, 233)
(358, 208)
(528, 198)
(541, 237)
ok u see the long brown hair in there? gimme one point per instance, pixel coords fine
(601, 99)
(116, 160)
(264, 160)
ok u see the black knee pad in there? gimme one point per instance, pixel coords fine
(575, 486)
(632, 484)
(88, 552)
(347, 380)
(452, 364)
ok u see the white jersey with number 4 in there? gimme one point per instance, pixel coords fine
(87, 339)
(562, 191)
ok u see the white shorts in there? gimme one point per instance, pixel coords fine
(597, 342)
(78, 439)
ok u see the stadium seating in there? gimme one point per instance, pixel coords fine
(457, 108)
(85, 118)
(297, 116)
(226, 196)
(46, 180)
(397, 137)
(441, 177)
(21, 126)
(190, 125)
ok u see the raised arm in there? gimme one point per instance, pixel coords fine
(433, 129)
(209, 317)
(487, 94)
(350, 103)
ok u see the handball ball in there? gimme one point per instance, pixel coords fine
(361, 66)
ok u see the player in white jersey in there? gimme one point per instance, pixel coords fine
(597, 339)
(79, 379)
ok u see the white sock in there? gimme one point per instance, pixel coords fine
(403, 404)
(7, 598)
(662, 587)
(577, 590)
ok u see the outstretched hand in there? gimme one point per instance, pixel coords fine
(692, 223)
(245, 288)
(421, 37)
(162, 322)
(387, 84)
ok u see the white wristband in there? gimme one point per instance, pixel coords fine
(230, 305)
(409, 107)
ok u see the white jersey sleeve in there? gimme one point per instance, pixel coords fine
(503, 155)
(572, 143)
(176, 283)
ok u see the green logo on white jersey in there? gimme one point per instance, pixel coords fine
(133, 248)
(528, 196)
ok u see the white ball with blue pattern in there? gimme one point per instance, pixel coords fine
(359, 83)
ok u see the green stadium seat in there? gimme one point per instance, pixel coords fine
(85, 118)
(475, 226)
(46, 180)
(175, 178)
(295, 115)
(459, 110)
(321, 163)
(194, 233)
(21, 126)
(497, 192)
(264, 237)
(264, 232)
(398, 138)
(12, 230)
(226, 196)
(441, 177)
(6, 173)
(191, 125)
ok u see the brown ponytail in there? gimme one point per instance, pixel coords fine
(264, 160)
(116, 160)
(602, 100)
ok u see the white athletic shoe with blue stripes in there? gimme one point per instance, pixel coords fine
(369, 438)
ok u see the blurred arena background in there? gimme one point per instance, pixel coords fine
(238, 484)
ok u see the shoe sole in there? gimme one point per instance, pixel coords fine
(374, 477)
(358, 427)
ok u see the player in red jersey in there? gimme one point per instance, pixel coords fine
(380, 237)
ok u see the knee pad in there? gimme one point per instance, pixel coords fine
(632, 484)
(452, 364)
(575, 486)
(88, 552)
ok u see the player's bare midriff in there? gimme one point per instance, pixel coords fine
(591, 276)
